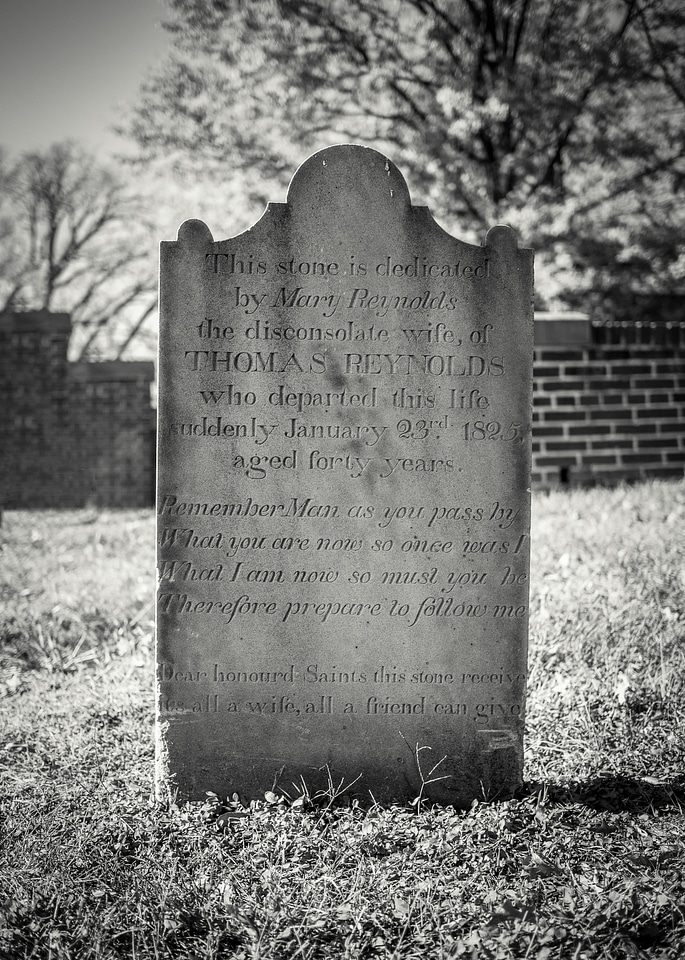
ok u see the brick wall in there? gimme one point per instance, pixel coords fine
(115, 438)
(608, 405)
(70, 433)
(608, 401)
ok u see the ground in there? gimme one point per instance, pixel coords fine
(586, 862)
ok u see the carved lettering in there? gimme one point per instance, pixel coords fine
(296, 507)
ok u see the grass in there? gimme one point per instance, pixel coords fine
(587, 862)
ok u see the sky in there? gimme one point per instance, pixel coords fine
(67, 66)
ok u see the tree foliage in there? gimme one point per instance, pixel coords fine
(561, 117)
(72, 240)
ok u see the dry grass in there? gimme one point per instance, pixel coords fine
(586, 863)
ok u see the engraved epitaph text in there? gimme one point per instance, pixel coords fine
(343, 514)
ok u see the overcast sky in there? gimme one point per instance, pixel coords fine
(66, 66)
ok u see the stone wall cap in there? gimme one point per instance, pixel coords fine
(112, 370)
(36, 321)
(562, 329)
(560, 315)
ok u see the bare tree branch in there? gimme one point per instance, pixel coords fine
(71, 239)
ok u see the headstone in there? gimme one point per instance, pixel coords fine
(343, 498)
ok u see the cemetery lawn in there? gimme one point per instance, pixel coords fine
(586, 862)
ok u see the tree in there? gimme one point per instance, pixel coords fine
(557, 116)
(72, 240)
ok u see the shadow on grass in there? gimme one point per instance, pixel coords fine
(616, 793)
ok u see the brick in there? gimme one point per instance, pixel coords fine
(649, 351)
(557, 356)
(636, 429)
(539, 401)
(644, 457)
(612, 476)
(609, 399)
(540, 371)
(659, 398)
(589, 430)
(677, 457)
(565, 401)
(666, 472)
(656, 443)
(611, 444)
(657, 413)
(610, 384)
(540, 431)
(664, 383)
(553, 445)
(673, 427)
(555, 461)
(585, 370)
(614, 353)
(563, 386)
(622, 413)
(600, 458)
(631, 369)
(677, 365)
(563, 415)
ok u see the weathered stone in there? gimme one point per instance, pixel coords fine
(343, 506)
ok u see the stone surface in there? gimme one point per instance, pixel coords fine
(343, 506)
